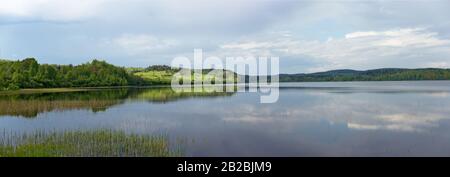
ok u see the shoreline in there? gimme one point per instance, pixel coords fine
(80, 89)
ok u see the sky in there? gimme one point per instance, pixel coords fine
(307, 36)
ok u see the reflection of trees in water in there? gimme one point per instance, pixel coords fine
(164, 95)
(30, 105)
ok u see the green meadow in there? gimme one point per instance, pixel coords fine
(164, 77)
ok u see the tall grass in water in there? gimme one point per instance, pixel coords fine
(95, 143)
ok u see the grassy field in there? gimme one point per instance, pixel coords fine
(156, 77)
(96, 143)
(151, 77)
(164, 77)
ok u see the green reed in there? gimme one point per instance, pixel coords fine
(93, 143)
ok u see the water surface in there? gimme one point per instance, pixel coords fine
(309, 119)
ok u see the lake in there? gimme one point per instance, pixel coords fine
(309, 119)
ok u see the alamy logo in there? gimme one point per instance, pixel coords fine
(214, 74)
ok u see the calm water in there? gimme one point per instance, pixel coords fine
(310, 119)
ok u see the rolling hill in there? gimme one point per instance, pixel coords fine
(384, 74)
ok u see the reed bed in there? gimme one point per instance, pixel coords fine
(93, 143)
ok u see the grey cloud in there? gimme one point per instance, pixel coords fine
(88, 30)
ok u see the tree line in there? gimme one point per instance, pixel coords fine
(370, 75)
(28, 73)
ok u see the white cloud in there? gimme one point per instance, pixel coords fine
(360, 34)
(248, 45)
(438, 65)
(379, 32)
(362, 126)
(173, 13)
(142, 43)
(50, 9)
(356, 49)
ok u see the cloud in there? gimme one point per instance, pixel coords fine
(362, 126)
(308, 36)
(136, 44)
(417, 37)
(52, 10)
(356, 50)
(192, 16)
(438, 65)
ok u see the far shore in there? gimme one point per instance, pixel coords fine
(80, 89)
(74, 89)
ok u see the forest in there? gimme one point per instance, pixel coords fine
(28, 73)
(385, 74)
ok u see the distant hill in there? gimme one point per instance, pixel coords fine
(28, 73)
(384, 74)
(162, 75)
